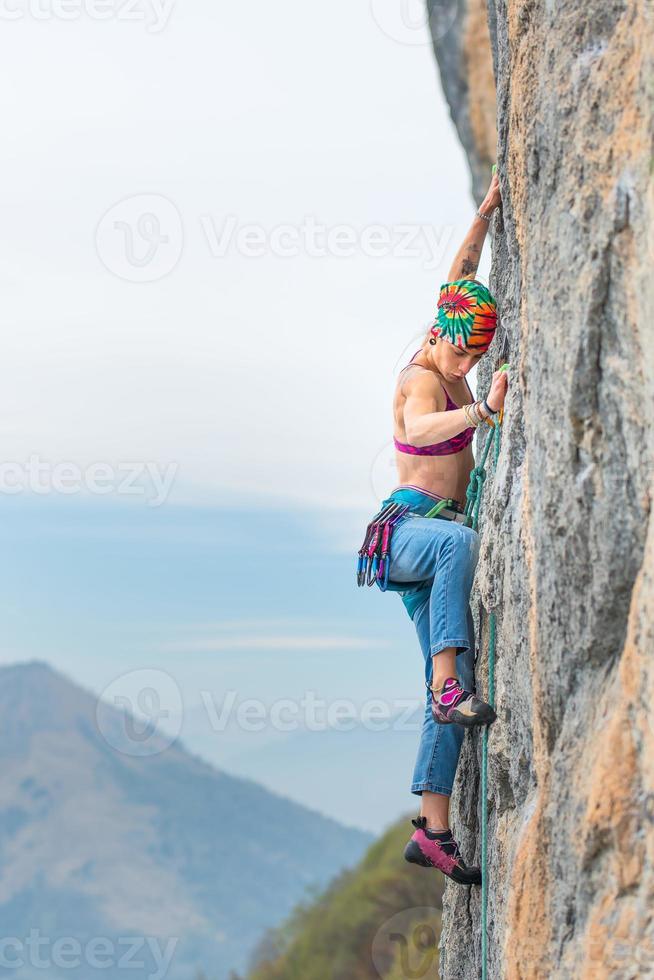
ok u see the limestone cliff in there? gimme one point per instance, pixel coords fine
(460, 34)
(567, 556)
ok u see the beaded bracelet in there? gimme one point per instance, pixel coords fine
(472, 414)
(477, 416)
(469, 419)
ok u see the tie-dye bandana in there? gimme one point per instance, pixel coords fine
(467, 315)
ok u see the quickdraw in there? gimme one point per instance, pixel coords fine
(384, 562)
(373, 563)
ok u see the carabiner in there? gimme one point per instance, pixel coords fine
(385, 563)
(372, 569)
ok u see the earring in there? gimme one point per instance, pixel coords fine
(432, 341)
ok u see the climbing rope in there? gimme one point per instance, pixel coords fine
(473, 502)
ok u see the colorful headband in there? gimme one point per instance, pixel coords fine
(467, 315)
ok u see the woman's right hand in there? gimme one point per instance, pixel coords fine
(498, 389)
(493, 198)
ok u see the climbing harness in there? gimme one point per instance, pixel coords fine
(373, 560)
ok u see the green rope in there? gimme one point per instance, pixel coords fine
(473, 503)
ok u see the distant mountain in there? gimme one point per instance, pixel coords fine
(100, 849)
(370, 792)
(378, 921)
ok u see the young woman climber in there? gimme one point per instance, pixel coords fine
(431, 562)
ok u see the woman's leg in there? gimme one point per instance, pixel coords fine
(444, 553)
(440, 745)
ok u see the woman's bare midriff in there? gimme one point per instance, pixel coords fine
(447, 476)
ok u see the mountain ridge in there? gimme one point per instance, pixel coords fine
(97, 832)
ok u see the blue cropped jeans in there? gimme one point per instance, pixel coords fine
(432, 567)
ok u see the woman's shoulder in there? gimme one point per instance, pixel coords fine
(416, 379)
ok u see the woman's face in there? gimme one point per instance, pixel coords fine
(455, 362)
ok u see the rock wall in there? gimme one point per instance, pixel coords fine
(460, 34)
(567, 556)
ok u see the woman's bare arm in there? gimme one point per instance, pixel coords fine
(425, 422)
(466, 260)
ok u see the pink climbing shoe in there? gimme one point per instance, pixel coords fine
(431, 849)
(452, 704)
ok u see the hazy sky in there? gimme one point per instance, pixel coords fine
(224, 230)
(308, 179)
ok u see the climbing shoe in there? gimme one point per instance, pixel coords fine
(431, 849)
(453, 704)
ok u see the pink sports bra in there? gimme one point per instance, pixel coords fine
(454, 445)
